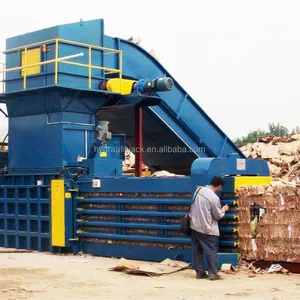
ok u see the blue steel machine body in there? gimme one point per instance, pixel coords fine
(63, 186)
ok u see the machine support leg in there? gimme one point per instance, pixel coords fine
(138, 140)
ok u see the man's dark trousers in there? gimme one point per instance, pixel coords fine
(207, 245)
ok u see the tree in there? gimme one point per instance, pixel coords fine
(278, 130)
(295, 130)
(251, 137)
(273, 129)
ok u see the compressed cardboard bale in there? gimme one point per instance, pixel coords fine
(291, 202)
(278, 236)
(270, 200)
(264, 230)
(278, 189)
(291, 189)
(269, 255)
(244, 215)
(242, 190)
(244, 230)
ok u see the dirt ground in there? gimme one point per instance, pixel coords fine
(43, 276)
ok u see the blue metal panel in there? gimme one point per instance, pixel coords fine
(228, 229)
(3, 159)
(129, 225)
(14, 81)
(54, 120)
(88, 32)
(54, 99)
(140, 238)
(207, 168)
(151, 253)
(33, 152)
(139, 200)
(25, 214)
(137, 213)
(32, 37)
(229, 243)
(139, 185)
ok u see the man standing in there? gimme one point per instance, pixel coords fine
(205, 212)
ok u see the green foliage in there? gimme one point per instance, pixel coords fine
(273, 129)
(278, 130)
(295, 130)
(250, 138)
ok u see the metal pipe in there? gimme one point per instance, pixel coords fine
(28, 46)
(87, 45)
(25, 67)
(70, 56)
(69, 123)
(85, 145)
(61, 59)
(90, 67)
(111, 72)
(93, 67)
(56, 62)
(62, 41)
(81, 158)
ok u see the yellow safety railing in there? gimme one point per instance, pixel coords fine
(65, 60)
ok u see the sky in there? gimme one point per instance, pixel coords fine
(239, 60)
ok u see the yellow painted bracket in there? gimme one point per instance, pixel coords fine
(251, 180)
(58, 213)
(103, 154)
(117, 85)
(68, 195)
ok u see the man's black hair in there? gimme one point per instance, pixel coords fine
(216, 181)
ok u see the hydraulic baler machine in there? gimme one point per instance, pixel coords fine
(75, 100)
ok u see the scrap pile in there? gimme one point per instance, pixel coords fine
(276, 236)
(282, 155)
(129, 167)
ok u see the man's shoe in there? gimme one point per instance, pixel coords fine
(201, 276)
(215, 277)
